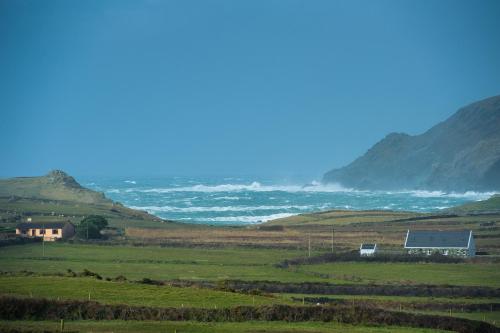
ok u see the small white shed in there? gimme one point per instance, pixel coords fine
(367, 249)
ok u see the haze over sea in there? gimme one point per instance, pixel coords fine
(241, 201)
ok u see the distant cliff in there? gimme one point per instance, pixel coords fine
(459, 154)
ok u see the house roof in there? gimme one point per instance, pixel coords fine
(437, 239)
(42, 225)
(368, 246)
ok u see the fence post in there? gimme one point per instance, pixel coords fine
(62, 325)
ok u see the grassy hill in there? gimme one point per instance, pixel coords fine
(56, 185)
(58, 196)
(490, 205)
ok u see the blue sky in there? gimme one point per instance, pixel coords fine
(278, 88)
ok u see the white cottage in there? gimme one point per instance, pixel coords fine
(448, 243)
(367, 249)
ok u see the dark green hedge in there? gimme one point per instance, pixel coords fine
(360, 289)
(407, 305)
(13, 308)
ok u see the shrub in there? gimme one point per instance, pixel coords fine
(90, 227)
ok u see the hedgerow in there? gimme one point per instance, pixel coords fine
(12, 308)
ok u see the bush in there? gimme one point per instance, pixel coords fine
(151, 282)
(90, 227)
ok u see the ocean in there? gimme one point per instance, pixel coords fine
(243, 201)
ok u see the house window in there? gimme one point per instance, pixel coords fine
(55, 231)
(42, 231)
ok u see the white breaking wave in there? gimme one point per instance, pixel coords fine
(226, 198)
(424, 194)
(254, 186)
(173, 209)
(472, 195)
(441, 207)
(248, 219)
(313, 187)
(130, 181)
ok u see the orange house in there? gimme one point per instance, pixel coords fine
(50, 231)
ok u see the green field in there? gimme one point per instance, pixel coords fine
(463, 274)
(151, 262)
(125, 292)
(166, 263)
(195, 327)
(400, 299)
(163, 263)
(492, 317)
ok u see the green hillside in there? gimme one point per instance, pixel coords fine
(490, 205)
(56, 185)
(58, 196)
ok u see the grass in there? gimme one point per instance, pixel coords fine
(152, 262)
(125, 292)
(343, 217)
(195, 327)
(402, 299)
(388, 229)
(166, 263)
(491, 317)
(48, 210)
(58, 195)
(464, 274)
(491, 204)
(163, 263)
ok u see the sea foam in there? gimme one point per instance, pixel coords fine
(174, 209)
(245, 219)
(252, 187)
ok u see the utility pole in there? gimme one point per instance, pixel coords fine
(309, 246)
(333, 231)
(43, 242)
(87, 230)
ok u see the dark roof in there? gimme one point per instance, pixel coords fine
(433, 239)
(42, 225)
(368, 246)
